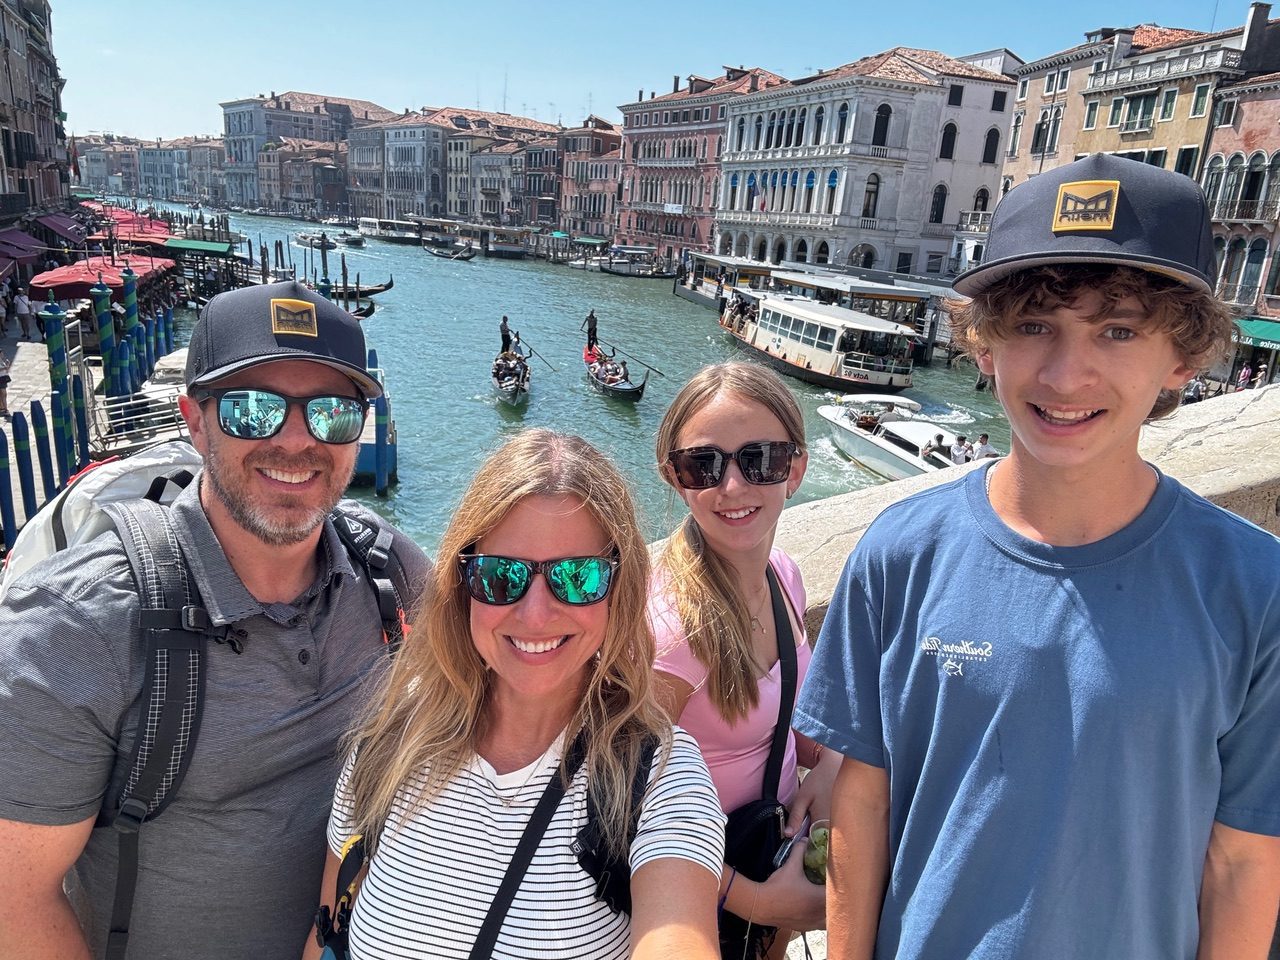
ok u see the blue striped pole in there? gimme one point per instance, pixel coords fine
(101, 295)
(137, 359)
(22, 459)
(380, 468)
(168, 329)
(126, 366)
(148, 346)
(40, 427)
(7, 520)
(57, 403)
(82, 422)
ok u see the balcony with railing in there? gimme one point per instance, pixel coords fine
(1161, 70)
(1136, 125)
(650, 162)
(1240, 294)
(974, 221)
(1246, 211)
(938, 229)
(778, 218)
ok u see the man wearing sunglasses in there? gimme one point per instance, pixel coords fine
(277, 397)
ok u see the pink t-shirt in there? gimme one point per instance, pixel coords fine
(735, 753)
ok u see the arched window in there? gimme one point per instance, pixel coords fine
(761, 250)
(810, 182)
(742, 133)
(1273, 180)
(1273, 276)
(842, 123)
(799, 141)
(981, 199)
(780, 127)
(719, 146)
(880, 134)
(948, 149)
(818, 116)
(871, 197)
(1015, 135)
(779, 251)
(824, 253)
(751, 192)
(795, 182)
(791, 128)
(833, 180)
(1235, 174)
(1213, 179)
(759, 132)
(1248, 292)
(938, 208)
(991, 146)
(768, 134)
(773, 190)
(801, 254)
(1219, 248)
(1254, 178)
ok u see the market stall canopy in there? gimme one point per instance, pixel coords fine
(63, 226)
(72, 282)
(20, 246)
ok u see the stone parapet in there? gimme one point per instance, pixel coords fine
(1226, 449)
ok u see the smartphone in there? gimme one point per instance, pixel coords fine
(784, 851)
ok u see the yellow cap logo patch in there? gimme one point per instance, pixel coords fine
(1086, 205)
(294, 317)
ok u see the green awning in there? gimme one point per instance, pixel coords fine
(591, 241)
(216, 248)
(559, 235)
(82, 193)
(1258, 332)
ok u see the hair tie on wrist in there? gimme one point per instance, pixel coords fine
(725, 896)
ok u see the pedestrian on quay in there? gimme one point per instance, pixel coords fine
(9, 312)
(22, 308)
(590, 325)
(231, 865)
(5, 379)
(504, 329)
(532, 672)
(1242, 378)
(1260, 376)
(727, 610)
(1112, 733)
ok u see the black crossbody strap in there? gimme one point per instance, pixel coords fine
(787, 700)
(539, 820)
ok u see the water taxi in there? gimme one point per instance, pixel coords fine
(870, 431)
(829, 346)
(392, 231)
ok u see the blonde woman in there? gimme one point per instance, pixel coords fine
(534, 639)
(732, 446)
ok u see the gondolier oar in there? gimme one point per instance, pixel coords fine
(630, 357)
(538, 355)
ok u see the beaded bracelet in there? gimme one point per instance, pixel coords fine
(725, 896)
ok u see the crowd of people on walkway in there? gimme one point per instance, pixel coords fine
(318, 742)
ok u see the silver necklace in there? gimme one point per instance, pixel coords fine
(756, 624)
(508, 801)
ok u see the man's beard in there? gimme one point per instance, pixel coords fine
(258, 520)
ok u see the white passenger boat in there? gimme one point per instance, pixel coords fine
(392, 231)
(830, 346)
(890, 448)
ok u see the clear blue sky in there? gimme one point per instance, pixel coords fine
(160, 67)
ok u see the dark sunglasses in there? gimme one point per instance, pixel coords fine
(250, 414)
(762, 462)
(498, 581)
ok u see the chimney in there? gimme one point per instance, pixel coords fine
(755, 83)
(1255, 29)
(675, 83)
(1122, 41)
(640, 94)
(273, 94)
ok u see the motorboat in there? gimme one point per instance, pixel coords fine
(884, 434)
(350, 239)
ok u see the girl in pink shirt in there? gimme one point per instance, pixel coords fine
(732, 446)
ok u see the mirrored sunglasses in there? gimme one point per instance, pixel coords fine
(251, 414)
(762, 462)
(498, 581)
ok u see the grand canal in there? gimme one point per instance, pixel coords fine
(436, 333)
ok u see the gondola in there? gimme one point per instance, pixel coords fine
(510, 376)
(652, 275)
(364, 311)
(378, 288)
(464, 253)
(621, 390)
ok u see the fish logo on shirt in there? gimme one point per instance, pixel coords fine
(953, 669)
(953, 655)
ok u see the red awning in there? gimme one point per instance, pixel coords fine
(71, 282)
(63, 226)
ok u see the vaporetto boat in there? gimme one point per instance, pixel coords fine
(392, 231)
(829, 346)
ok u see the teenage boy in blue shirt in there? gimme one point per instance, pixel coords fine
(1092, 771)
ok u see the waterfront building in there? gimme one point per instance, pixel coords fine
(588, 185)
(541, 189)
(365, 148)
(164, 169)
(412, 175)
(671, 151)
(459, 146)
(248, 124)
(207, 155)
(471, 131)
(870, 165)
(34, 172)
(497, 184)
(110, 165)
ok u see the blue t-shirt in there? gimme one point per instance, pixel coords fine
(1061, 726)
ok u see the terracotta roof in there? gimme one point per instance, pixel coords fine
(303, 102)
(612, 155)
(485, 120)
(1267, 79)
(1202, 38)
(720, 85)
(511, 147)
(910, 65)
(1148, 35)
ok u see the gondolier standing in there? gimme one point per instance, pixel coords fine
(590, 324)
(505, 330)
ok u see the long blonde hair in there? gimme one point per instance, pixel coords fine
(429, 711)
(712, 609)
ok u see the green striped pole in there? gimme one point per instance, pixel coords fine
(7, 520)
(133, 375)
(101, 295)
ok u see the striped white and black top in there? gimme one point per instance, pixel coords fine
(434, 875)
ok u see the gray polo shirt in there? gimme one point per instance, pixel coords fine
(232, 867)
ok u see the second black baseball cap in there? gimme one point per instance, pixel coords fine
(276, 321)
(1100, 209)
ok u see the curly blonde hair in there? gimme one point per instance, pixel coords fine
(429, 713)
(1199, 325)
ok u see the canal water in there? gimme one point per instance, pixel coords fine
(436, 333)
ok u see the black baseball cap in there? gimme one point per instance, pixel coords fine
(1102, 210)
(276, 321)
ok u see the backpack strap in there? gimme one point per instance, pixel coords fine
(612, 874)
(369, 543)
(787, 694)
(176, 630)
